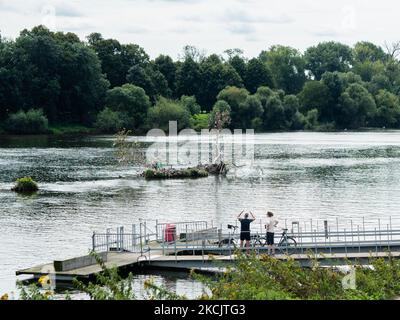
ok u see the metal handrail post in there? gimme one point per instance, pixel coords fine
(301, 239)
(337, 228)
(108, 239)
(140, 239)
(202, 247)
(163, 243)
(229, 244)
(122, 239)
(145, 231)
(352, 236)
(380, 233)
(134, 236)
(94, 242)
(315, 241)
(186, 232)
(176, 252)
(364, 227)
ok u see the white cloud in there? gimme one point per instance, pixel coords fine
(165, 26)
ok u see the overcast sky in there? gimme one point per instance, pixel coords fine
(165, 26)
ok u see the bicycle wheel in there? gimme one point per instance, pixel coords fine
(286, 244)
(226, 243)
(256, 242)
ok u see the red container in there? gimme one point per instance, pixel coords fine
(170, 233)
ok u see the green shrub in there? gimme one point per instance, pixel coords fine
(190, 103)
(70, 129)
(167, 110)
(200, 121)
(31, 122)
(25, 185)
(267, 278)
(109, 121)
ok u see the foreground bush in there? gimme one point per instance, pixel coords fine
(252, 278)
(30, 122)
(108, 285)
(270, 279)
(25, 185)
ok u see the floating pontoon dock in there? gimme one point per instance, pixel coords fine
(196, 245)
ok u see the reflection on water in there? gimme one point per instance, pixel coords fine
(83, 189)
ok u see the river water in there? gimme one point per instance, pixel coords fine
(83, 189)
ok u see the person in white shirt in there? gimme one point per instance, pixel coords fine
(272, 223)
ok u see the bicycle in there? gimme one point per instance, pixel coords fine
(285, 241)
(231, 240)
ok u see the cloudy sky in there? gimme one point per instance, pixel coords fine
(165, 26)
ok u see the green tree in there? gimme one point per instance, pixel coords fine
(328, 56)
(388, 110)
(167, 67)
(248, 110)
(356, 106)
(58, 73)
(293, 118)
(31, 122)
(215, 76)
(379, 82)
(200, 121)
(263, 94)
(220, 116)
(316, 95)
(258, 74)
(287, 66)
(149, 78)
(116, 58)
(239, 64)
(274, 114)
(234, 97)
(109, 121)
(188, 78)
(131, 102)
(166, 110)
(366, 51)
(190, 104)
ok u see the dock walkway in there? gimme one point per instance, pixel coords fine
(197, 246)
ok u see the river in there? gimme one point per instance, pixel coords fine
(83, 189)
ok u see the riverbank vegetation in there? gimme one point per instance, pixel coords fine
(52, 78)
(252, 279)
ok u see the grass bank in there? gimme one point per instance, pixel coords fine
(70, 129)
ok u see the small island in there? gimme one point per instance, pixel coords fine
(25, 185)
(156, 172)
(189, 173)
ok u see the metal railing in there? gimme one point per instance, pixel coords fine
(200, 237)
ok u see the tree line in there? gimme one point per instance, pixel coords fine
(55, 78)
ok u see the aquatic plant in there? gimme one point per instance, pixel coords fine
(25, 185)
